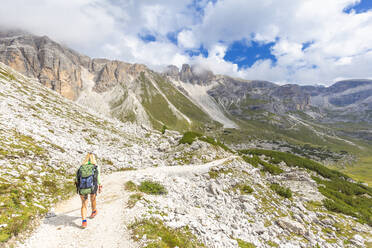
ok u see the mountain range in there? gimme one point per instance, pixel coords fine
(194, 98)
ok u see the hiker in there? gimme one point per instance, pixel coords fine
(88, 181)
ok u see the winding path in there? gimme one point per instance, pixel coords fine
(109, 228)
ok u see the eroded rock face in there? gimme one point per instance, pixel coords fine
(110, 73)
(57, 67)
(190, 74)
(172, 71)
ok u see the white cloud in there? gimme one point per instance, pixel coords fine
(338, 40)
(340, 47)
(186, 39)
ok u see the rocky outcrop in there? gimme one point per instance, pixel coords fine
(293, 96)
(190, 74)
(56, 66)
(172, 71)
(110, 73)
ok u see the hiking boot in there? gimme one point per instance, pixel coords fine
(94, 213)
(84, 224)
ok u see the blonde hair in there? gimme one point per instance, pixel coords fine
(90, 157)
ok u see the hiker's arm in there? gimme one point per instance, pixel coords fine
(77, 181)
(99, 175)
(99, 179)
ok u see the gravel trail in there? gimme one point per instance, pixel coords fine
(109, 228)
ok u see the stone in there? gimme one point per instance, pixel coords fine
(327, 221)
(163, 147)
(291, 226)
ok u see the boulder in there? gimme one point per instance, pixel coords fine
(291, 225)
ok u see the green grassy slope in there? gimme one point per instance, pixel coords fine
(342, 196)
(301, 135)
(160, 111)
(158, 108)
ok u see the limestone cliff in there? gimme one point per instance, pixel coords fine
(56, 66)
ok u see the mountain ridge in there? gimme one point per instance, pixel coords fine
(189, 98)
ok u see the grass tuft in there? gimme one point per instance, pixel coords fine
(244, 188)
(152, 188)
(244, 244)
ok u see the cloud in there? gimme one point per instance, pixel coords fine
(338, 44)
(186, 39)
(338, 40)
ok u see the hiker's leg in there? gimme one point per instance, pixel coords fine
(93, 201)
(84, 203)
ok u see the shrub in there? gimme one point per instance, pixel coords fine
(189, 137)
(275, 160)
(293, 161)
(163, 129)
(244, 188)
(272, 169)
(215, 142)
(255, 161)
(346, 201)
(282, 191)
(152, 188)
(51, 186)
(338, 207)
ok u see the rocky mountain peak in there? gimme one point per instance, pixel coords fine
(194, 74)
(186, 74)
(172, 71)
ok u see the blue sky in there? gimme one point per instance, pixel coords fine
(360, 7)
(245, 54)
(287, 41)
